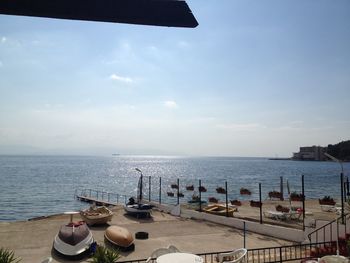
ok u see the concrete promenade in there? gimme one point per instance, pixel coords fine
(32, 240)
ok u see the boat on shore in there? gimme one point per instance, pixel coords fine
(96, 215)
(73, 239)
(138, 208)
(219, 209)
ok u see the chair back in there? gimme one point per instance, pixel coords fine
(235, 256)
(173, 249)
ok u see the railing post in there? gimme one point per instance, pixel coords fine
(149, 188)
(281, 260)
(303, 195)
(226, 199)
(281, 188)
(342, 196)
(260, 203)
(244, 232)
(178, 191)
(160, 190)
(200, 195)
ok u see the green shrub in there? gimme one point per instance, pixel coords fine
(8, 256)
(105, 255)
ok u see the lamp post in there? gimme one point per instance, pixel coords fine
(140, 195)
(341, 182)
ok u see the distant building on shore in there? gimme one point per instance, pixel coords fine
(310, 153)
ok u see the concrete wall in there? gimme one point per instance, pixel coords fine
(290, 234)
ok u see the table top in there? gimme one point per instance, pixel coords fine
(179, 258)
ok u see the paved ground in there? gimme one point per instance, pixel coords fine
(32, 240)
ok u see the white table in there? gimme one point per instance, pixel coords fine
(179, 258)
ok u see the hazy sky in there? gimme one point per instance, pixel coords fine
(255, 78)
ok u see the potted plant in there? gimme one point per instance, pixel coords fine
(220, 190)
(275, 194)
(294, 196)
(281, 208)
(236, 202)
(8, 256)
(189, 187)
(202, 189)
(213, 200)
(105, 255)
(326, 200)
(245, 191)
(255, 203)
(180, 195)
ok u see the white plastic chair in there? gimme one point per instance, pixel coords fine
(235, 256)
(158, 252)
(173, 249)
(48, 260)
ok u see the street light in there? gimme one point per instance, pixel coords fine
(140, 184)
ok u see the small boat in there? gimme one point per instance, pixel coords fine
(96, 215)
(120, 237)
(73, 239)
(138, 208)
(218, 209)
(170, 193)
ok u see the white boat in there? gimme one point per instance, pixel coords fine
(138, 208)
(73, 239)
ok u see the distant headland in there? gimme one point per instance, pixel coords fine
(340, 151)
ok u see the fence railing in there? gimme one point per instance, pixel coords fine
(264, 255)
(331, 231)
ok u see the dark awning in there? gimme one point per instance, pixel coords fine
(172, 13)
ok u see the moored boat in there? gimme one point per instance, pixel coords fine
(96, 215)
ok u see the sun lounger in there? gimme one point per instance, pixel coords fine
(275, 215)
(328, 208)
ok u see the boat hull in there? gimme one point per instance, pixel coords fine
(120, 237)
(73, 241)
(219, 210)
(96, 216)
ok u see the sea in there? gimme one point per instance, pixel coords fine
(35, 186)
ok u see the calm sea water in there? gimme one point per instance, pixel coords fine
(34, 186)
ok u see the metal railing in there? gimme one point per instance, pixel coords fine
(263, 255)
(102, 196)
(327, 230)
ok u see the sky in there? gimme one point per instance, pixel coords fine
(255, 78)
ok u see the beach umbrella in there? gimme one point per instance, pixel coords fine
(171, 13)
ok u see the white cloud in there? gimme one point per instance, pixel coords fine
(241, 126)
(170, 104)
(120, 78)
(3, 39)
(183, 44)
